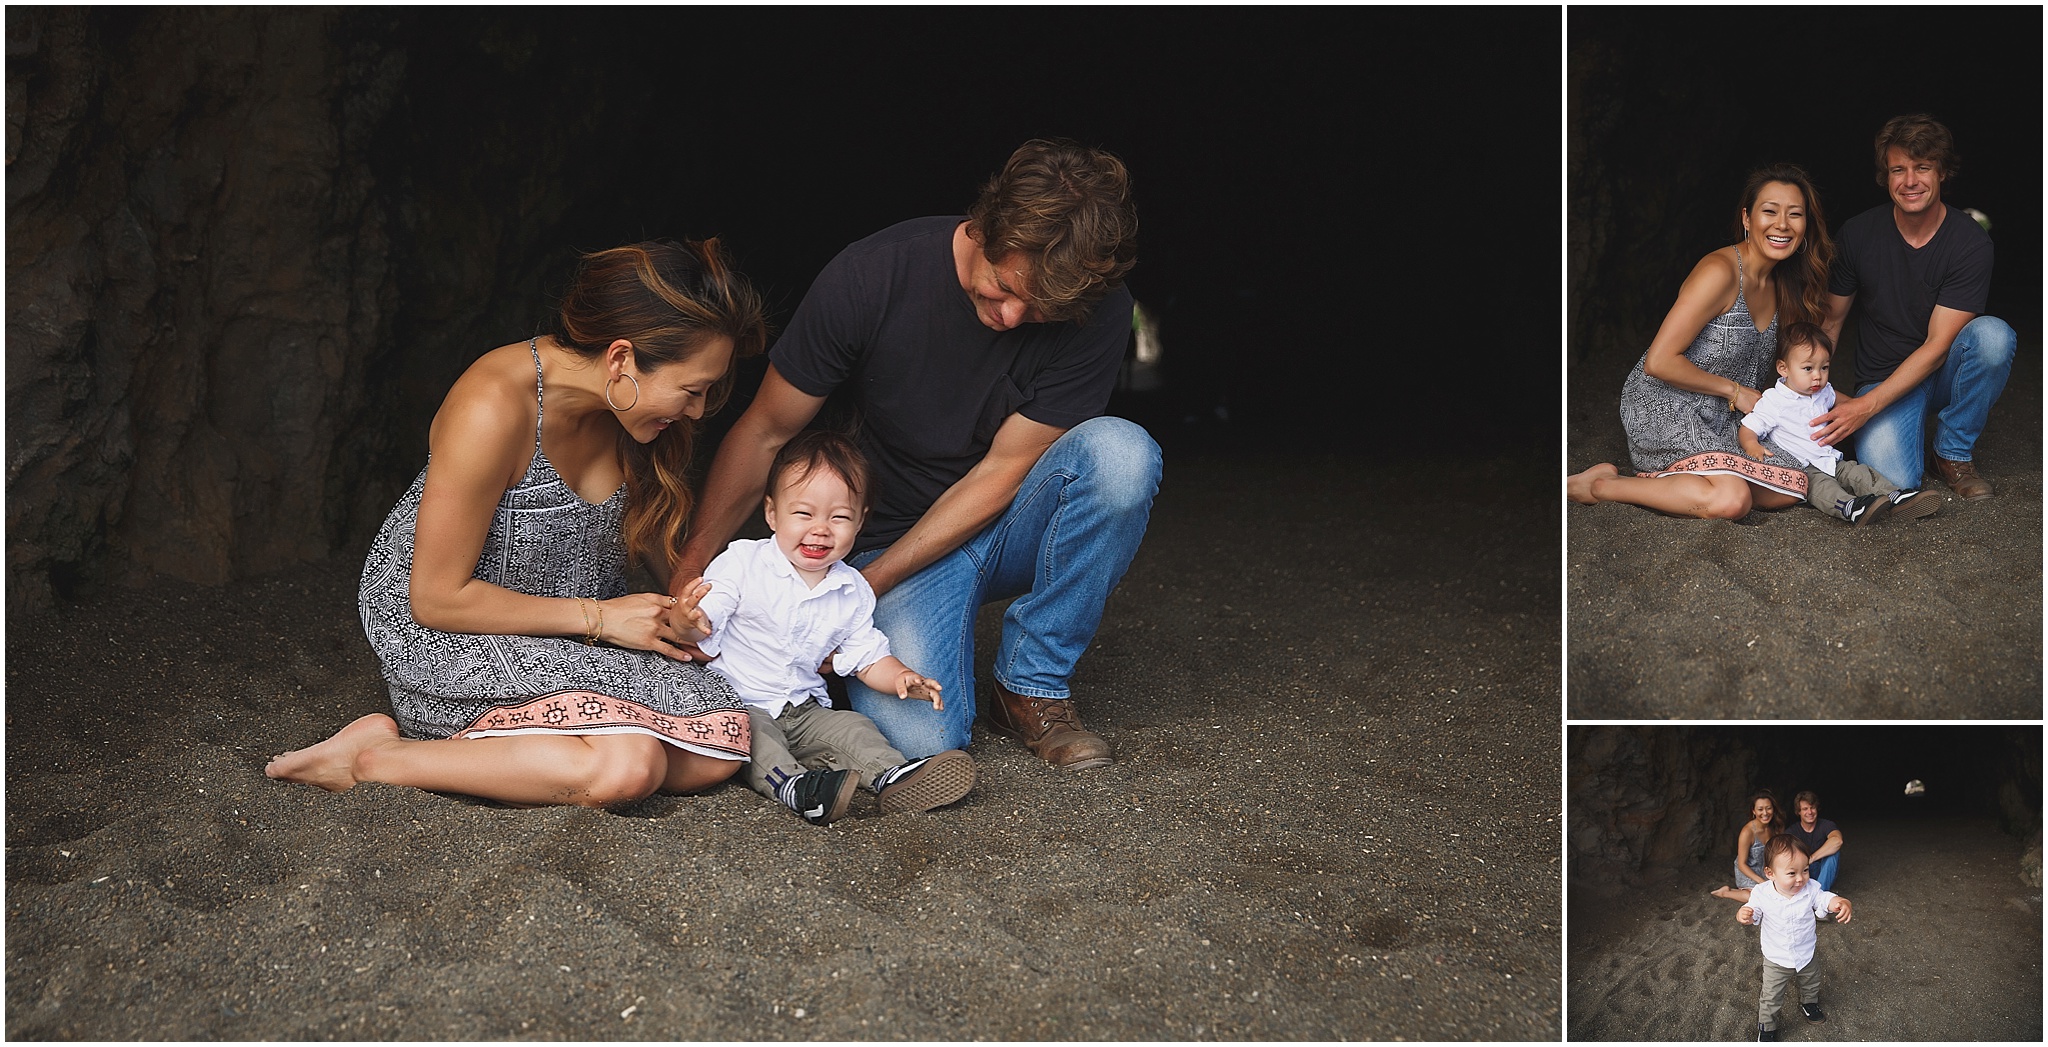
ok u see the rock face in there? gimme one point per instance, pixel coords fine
(1642, 799)
(196, 262)
(248, 249)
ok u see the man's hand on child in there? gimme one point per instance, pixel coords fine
(1747, 914)
(1840, 907)
(922, 688)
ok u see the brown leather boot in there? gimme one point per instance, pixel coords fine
(1049, 727)
(1962, 478)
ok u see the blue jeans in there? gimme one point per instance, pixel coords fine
(1060, 548)
(1962, 391)
(1823, 872)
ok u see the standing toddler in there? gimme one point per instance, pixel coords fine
(1784, 909)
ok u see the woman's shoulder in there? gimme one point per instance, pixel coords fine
(1723, 265)
(1713, 282)
(495, 396)
(504, 376)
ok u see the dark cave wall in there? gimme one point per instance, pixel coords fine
(248, 249)
(196, 261)
(1641, 799)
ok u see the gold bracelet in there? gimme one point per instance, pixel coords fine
(597, 634)
(585, 612)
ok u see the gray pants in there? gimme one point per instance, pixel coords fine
(1775, 978)
(1832, 494)
(812, 737)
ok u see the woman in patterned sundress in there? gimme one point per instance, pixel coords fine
(1684, 401)
(520, 668)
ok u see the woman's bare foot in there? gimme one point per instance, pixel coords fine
(1579, 486)
(1730, 893)
(331, 764)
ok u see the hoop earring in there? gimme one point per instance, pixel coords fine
(608, 392)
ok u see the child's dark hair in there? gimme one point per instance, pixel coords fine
(1802, 333)
(1779, 845)
(814, 449)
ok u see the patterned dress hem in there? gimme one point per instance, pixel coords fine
(723, 734)
(1722, 463)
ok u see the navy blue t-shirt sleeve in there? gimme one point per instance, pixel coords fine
(1075, 385)
(1967, 287)
(1842, 274)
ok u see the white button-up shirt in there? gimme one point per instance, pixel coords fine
(770, 630)
(1786, 419)
(1785, 925)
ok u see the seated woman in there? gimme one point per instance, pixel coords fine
(1682, 403)
(1749, 847)
(520, 668)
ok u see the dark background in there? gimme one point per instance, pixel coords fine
(250, 248)
(1668, 110)
(1310, 194)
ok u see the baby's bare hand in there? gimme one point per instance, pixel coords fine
(922, 688)
(687, 620)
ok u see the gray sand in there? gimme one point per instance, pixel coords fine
(1334, 817)
(1944, 944)
(1791, 614)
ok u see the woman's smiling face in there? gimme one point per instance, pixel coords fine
(672, 392)
(1775, 222)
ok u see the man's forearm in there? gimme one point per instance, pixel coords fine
(1925, 361)
(959, 514)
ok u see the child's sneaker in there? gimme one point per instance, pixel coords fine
(1914, 503)
(1764, 1035)
(821, 797)
(1866, 510)
(1812, 1012)
(921, 785)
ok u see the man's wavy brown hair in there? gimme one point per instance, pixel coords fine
(1923, 138)
(1066, 210)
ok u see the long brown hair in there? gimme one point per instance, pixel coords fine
(1805, 274)
(669, 299)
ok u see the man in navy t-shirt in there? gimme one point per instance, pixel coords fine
(977, 354)
(1918, 273)
(1819, 838)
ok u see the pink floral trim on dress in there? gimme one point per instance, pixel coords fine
(723, 733)
(1763, 474)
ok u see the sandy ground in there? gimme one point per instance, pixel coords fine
(1790, 614)
(1334, 817)
(1944, 944)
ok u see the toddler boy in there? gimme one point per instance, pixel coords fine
(1784, 414)
(1784, 909)
(772, 610)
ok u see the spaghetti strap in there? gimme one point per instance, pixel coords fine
(539, 391)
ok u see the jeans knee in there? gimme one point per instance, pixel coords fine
(1992, 340)
(1119, 455)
